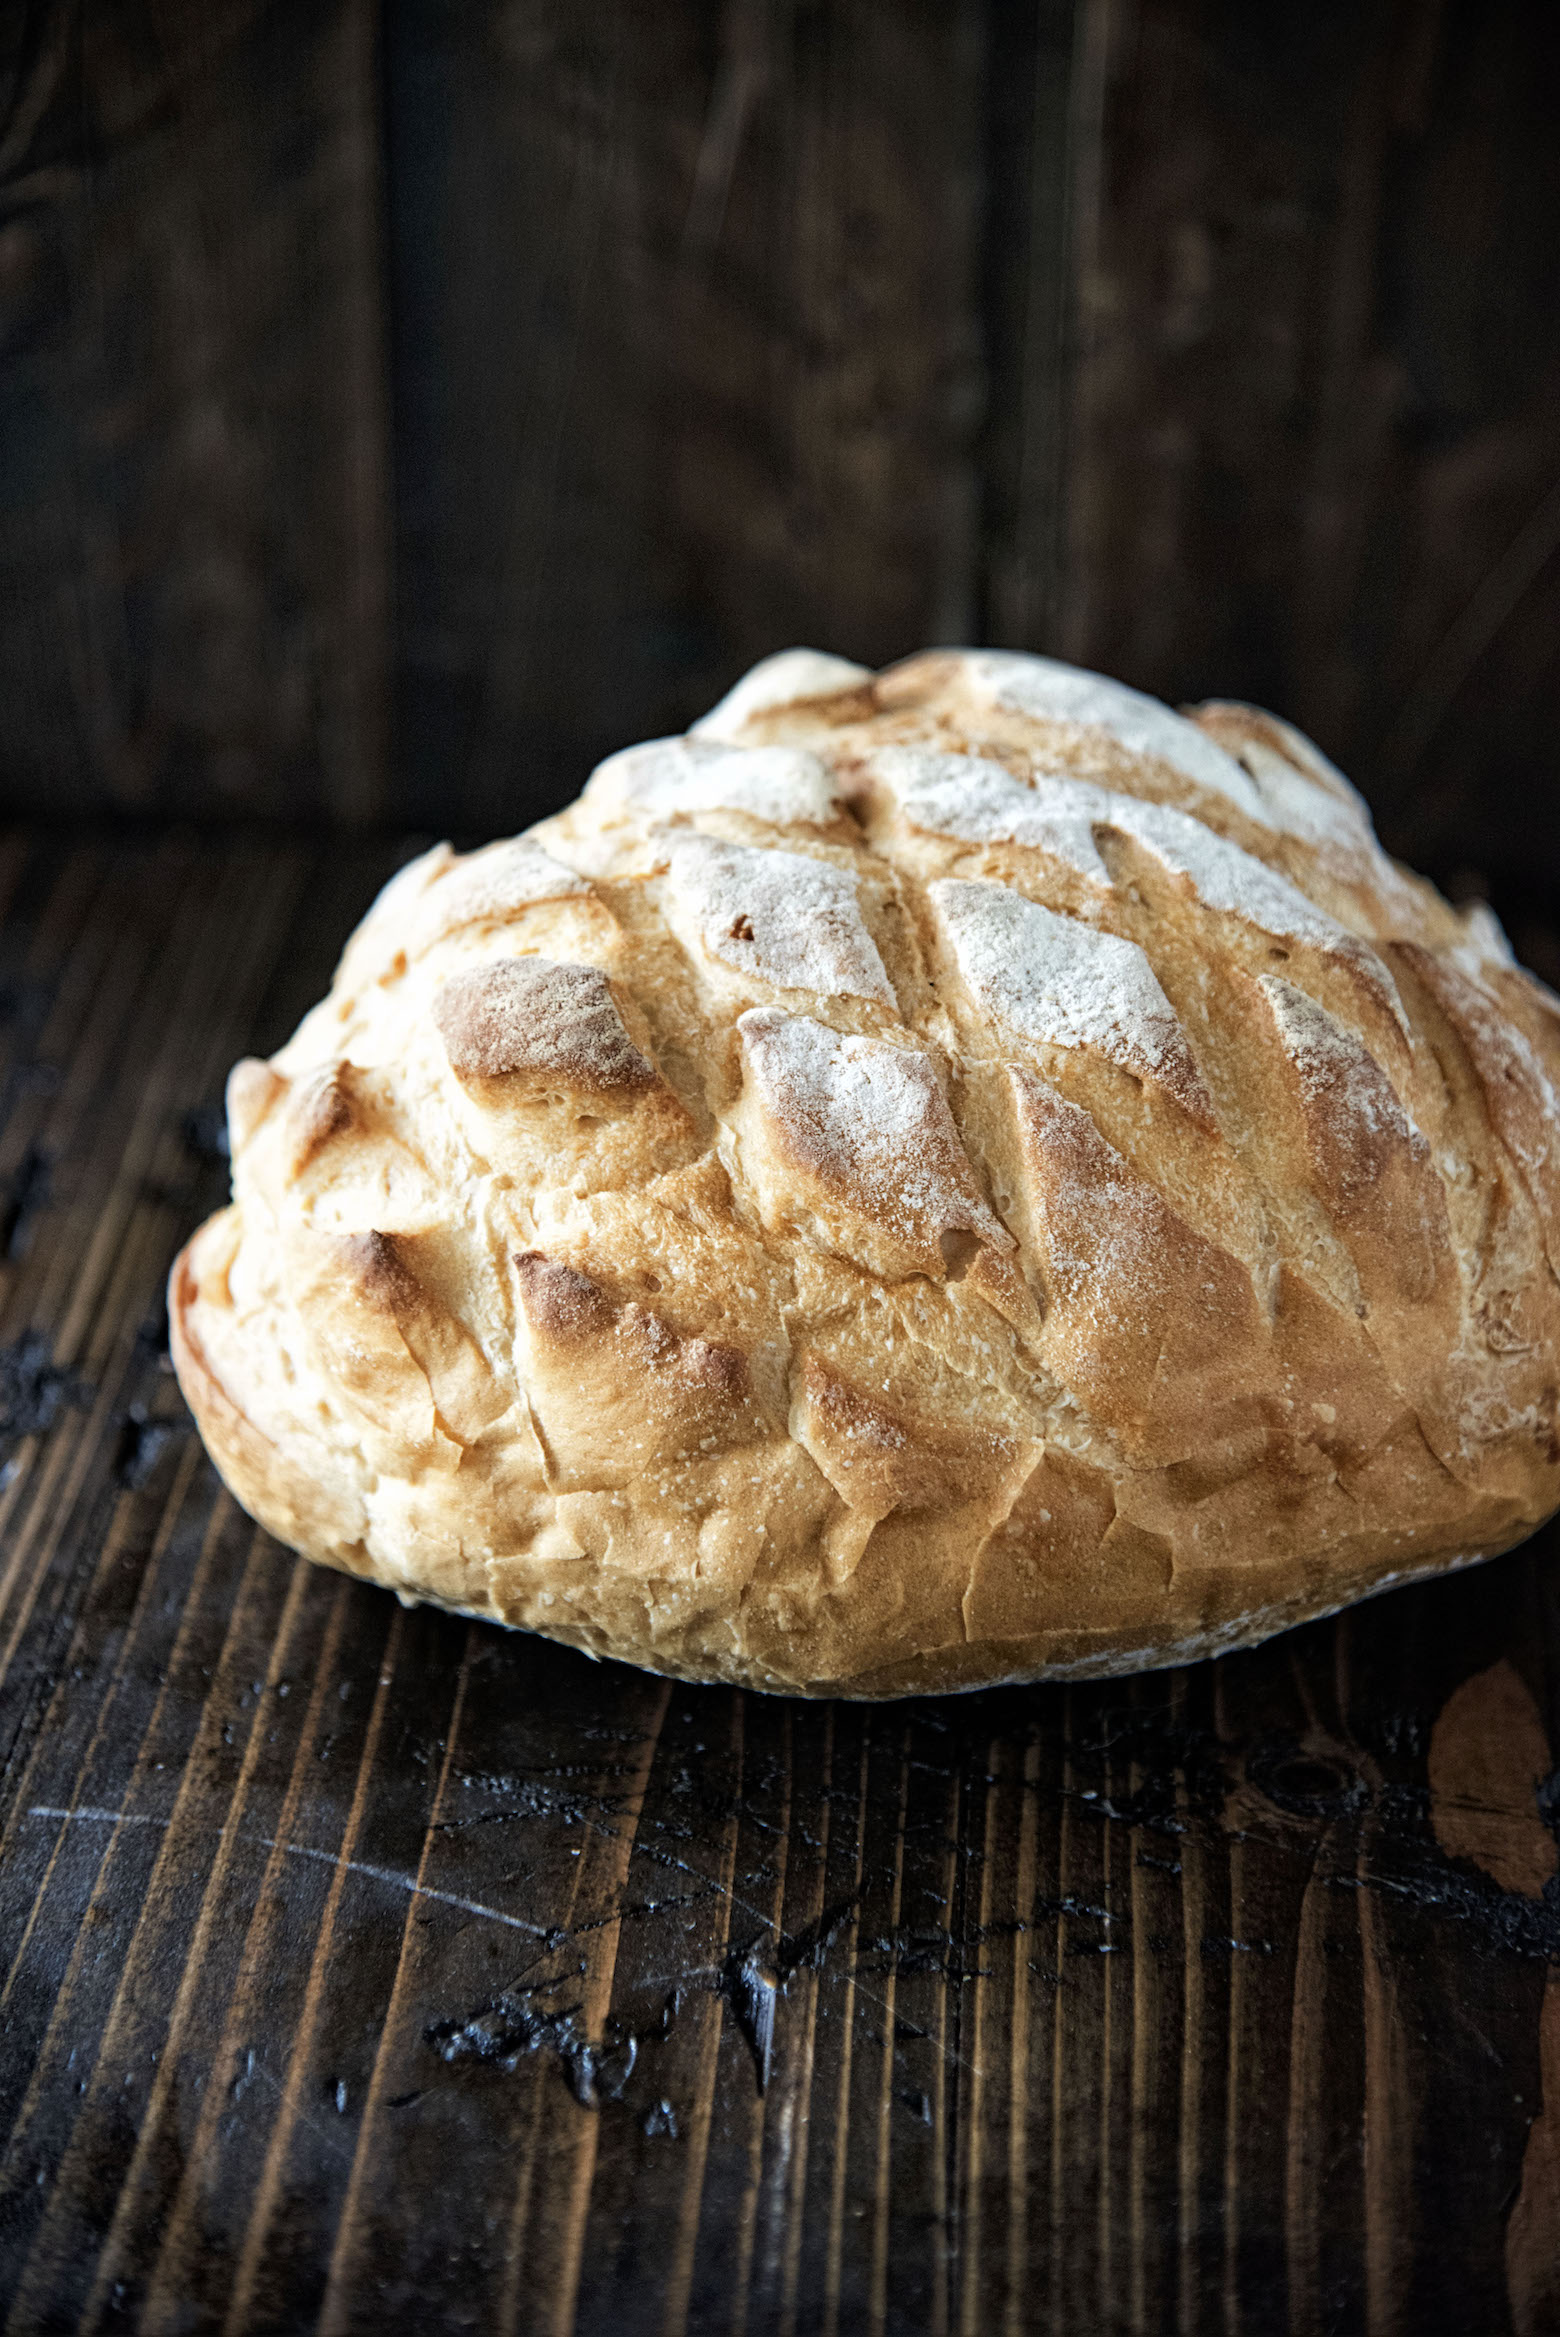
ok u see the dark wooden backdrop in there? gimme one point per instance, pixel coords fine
(402, 404)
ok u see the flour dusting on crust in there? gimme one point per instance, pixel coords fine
(1064, 984)
(1301, 806)
(782, 785)
(793, 921)
(1335, 1071)
(870, 1121)
(978, 801)
(1053, 692)
(1236, 884)
(526, 1018)
(778, 681)
(490, 886)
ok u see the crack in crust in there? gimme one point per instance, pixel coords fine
(1095, 1256)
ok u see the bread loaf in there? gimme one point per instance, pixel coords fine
(934, 1178)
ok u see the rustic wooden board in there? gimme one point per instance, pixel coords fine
(366, 1969)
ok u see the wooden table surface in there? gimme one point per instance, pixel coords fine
(366, 1969)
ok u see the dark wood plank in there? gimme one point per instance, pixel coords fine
(705, 383)
(194, 528)
(1211, 346)
(1284, 425)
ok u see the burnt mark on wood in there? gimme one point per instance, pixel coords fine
(204, 1132)
(750, 1986)
(34, 1389)
(1305, 1784)
(153, 1337)
(141, 1442)
(513, 2026)
(1508, 1923)
(29, 1192)
(754, 1978)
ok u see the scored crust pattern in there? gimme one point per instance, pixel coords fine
(937, 1177)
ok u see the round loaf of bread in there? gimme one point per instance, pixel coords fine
(934, 1178)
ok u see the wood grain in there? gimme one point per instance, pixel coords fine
(194, 528)
(1307, 415)
(707, 382)
(404, 406)
(365, 1967)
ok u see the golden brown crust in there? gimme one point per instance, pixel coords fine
(318, 1109)
(542, 1025)
(285, 1500)
(942, 1177)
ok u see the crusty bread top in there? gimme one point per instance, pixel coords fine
(932, 1177)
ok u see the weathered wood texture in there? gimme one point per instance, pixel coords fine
(705, 381)
(194, 537)
(1213, 346)
(499, 377)
(367, 1970)
(1310, 451)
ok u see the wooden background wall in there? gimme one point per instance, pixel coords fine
(402, 404)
